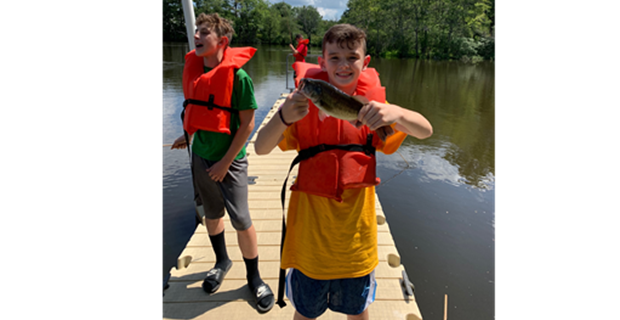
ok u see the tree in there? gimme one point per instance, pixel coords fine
(221, 7)
(173, 21)
(369, 16)
(437, 29)
(271, 26)
(288, 24)
(309, 19)
(491, 14)
(248, 19)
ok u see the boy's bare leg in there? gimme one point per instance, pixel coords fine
(247, 238)
(298, 316)
(248, 243)
(361, 316)
(215, 226)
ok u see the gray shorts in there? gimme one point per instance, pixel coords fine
(231, 193)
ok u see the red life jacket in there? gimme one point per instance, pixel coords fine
(302, 49)
(207, 103)
(329, 172)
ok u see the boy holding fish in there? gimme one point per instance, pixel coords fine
(330, 243)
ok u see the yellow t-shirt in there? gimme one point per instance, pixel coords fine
(327, 239)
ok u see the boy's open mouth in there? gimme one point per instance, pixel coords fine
(198, 45)
(343, 74)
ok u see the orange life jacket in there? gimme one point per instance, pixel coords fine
(340, 166)
(207, 103)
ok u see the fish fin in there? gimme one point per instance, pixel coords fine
(381, 134)
(361, 99)
(322, 115)
(384, 132)
(356, 123)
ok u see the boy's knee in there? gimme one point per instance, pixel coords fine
(299, 316)
(214, 226)
(361, 316)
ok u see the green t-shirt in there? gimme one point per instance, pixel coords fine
(214, 145)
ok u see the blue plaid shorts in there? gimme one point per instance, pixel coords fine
(312, 297)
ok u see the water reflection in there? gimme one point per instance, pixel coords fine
(440, 163)
(431, 164)
(458, 99)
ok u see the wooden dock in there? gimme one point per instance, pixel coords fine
(185, 299)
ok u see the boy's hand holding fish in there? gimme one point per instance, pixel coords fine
(376, 115)
(294, 108)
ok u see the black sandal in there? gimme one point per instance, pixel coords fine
(264, 297)
(214, 279)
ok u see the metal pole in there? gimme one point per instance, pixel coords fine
(190, 22)
(287, 71)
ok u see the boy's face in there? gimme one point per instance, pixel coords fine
(343, 65)
(207, 41)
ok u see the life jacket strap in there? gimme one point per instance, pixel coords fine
(305, 154)
(308, 153)
(209, 104)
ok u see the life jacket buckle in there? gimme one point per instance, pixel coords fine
(210, 102)
(368, 146)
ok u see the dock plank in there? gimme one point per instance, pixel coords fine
(185, 299)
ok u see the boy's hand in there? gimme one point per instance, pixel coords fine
(295, 107)
(218, 171)
(376, 115)
(179, 143)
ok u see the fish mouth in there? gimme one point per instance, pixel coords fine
(302, 85)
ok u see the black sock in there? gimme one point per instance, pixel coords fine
(253, 276)
(219, 247)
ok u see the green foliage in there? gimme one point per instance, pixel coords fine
(309, 19)
(424, 29)
(427, 29)
(174, 22)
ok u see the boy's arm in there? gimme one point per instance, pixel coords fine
(180, 142)
(294, 108)
(376, 115)
(293, 48)
(218, 171)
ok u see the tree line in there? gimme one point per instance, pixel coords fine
(423, 29)
(428, 29)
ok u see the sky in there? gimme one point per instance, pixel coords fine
(329, 9)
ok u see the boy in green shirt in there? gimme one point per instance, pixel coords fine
(219, 164)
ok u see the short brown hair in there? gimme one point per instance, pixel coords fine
(347, 34)
(221, 26)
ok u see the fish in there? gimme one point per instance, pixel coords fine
(334, 102)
